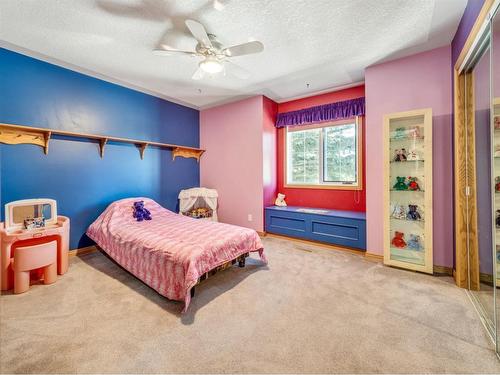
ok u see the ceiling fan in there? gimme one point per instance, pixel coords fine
(215, 55)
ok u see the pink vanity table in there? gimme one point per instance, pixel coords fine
(33, 244)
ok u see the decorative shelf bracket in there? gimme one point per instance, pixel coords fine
(46, 138)
(142, 149)
(187, 153)
(18, 134)
(16, 137)
(102, 143)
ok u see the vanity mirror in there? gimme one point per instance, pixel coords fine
(30, 214)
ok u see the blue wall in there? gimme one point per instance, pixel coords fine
(36, 93)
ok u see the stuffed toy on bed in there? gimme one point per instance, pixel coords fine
(140, 212)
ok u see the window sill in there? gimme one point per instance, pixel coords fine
(325, 187)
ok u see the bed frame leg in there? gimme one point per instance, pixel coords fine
(241, 262)
(192, 292)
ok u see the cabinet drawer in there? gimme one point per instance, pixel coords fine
(338, 229)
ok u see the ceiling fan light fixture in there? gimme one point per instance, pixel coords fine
(218, 5)
(211, 65)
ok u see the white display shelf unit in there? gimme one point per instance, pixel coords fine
(408, 241)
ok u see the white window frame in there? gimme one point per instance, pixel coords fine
(358, 185)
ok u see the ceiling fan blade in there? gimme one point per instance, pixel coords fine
(244, 49)
(199, 74)
(171, 52)
(237, 70)
(199, 32)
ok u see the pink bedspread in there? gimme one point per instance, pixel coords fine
(170, 252)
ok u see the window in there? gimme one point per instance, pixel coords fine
(324, 156)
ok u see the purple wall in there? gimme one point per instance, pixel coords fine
(469, 17)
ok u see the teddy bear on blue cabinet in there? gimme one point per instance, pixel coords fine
(413, 213)
(140, 212)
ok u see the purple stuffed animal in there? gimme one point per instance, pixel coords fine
(140, 212)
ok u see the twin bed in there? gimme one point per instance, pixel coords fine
(171, 253)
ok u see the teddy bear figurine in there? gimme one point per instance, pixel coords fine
(140, 212)
(413, 156)
(413, 184)
(414, 132)
(280, 200)
(400, 154)
(398, 211)
(400, 184)
(398, 240)
(413, 213)
(497, 122)
(415, 242)
(400, 133)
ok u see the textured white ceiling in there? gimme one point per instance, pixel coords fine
(323, 43)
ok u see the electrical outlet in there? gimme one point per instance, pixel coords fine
(250, 217)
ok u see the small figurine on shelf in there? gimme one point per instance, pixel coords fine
(497, 184)
(415, 242)
(497, 219)
(413, 184)
(496, 120)
(400, 183)
(400, 154)
(398, 211)
(280, 200)
(414, 132)
(412, 155)
(413, 213)
(398, 240)
(400, 133)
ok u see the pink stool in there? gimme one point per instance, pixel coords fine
(29, 258)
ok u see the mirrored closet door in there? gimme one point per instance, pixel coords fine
(477, 173)
(495, 108)
(481, 283)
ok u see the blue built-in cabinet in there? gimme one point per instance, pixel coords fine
(344, 228)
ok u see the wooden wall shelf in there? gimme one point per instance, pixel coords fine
(17, 134)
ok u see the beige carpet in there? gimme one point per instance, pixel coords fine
(311, 310)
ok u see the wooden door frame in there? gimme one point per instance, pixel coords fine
(465, 194)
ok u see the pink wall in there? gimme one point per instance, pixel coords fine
(240, 161)
(413, 82)
(232, 136)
